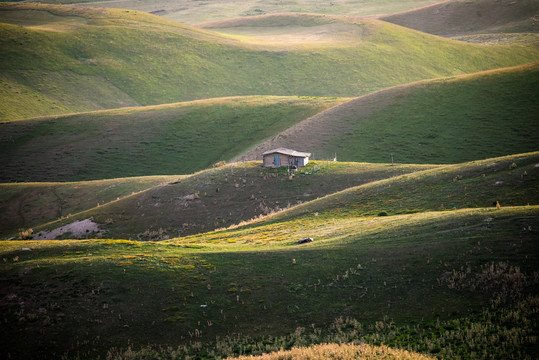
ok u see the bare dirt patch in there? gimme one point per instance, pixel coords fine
(76, 229)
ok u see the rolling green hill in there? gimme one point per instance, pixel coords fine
(23, 205)
(448, 120)
(408, 281)
(168, 139)
(210, 199)
(510, 180)
(222, 197)
(396, 261)
(457, 17)
(61, 59)
(414, 261)
(195, 12)
(465, 118)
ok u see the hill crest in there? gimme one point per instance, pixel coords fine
(355, 129)
(91, 66)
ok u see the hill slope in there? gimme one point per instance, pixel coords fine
(60, 59)
(455, 17)
(408, 281)
(440, 121)
(212, 199)
(170, 139)
(195, 12)
(222, 197)
(510, 180)
(25, 205)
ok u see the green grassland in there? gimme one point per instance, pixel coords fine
(433, 260)
(195, 12)
(408, 281)
(60, 59)
(23, 205)
(171, 139)
(447, 120)
(468, 117)
(395, 262)
(510, 180)
(220, 198)
(473, 185)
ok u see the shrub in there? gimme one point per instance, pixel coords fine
(25, 234)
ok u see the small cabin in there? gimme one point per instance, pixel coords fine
(284, 157)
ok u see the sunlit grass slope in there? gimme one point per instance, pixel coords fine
(218, 198)
(23, 205)
(510, 181)
(60, 59)
(338, 351)
(447, 120)
(409, 281)
(226, 196)
(169, 139)
(457, 17)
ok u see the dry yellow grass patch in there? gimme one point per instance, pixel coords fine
(338, 351)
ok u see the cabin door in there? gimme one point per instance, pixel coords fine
(276, 160)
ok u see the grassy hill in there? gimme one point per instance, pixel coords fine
(291, 31)
(448, 120)
(466, 118)
(456, 17)
(24, 205)
(195, 12)
(214, 199)
(407, 261)
(61, 59)
(229, 195)
(509, 180)
(170, 139)
(408, 281)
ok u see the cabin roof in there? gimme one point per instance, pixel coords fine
(286, 151)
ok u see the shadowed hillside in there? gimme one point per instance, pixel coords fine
(440, 121)
(167, 139)
(24, 205)
(457, 17)
(213, 199)
(61, 59)
(222, 197)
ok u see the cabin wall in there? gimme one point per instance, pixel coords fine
(284, 160)
(268, 161)
(303, 161)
